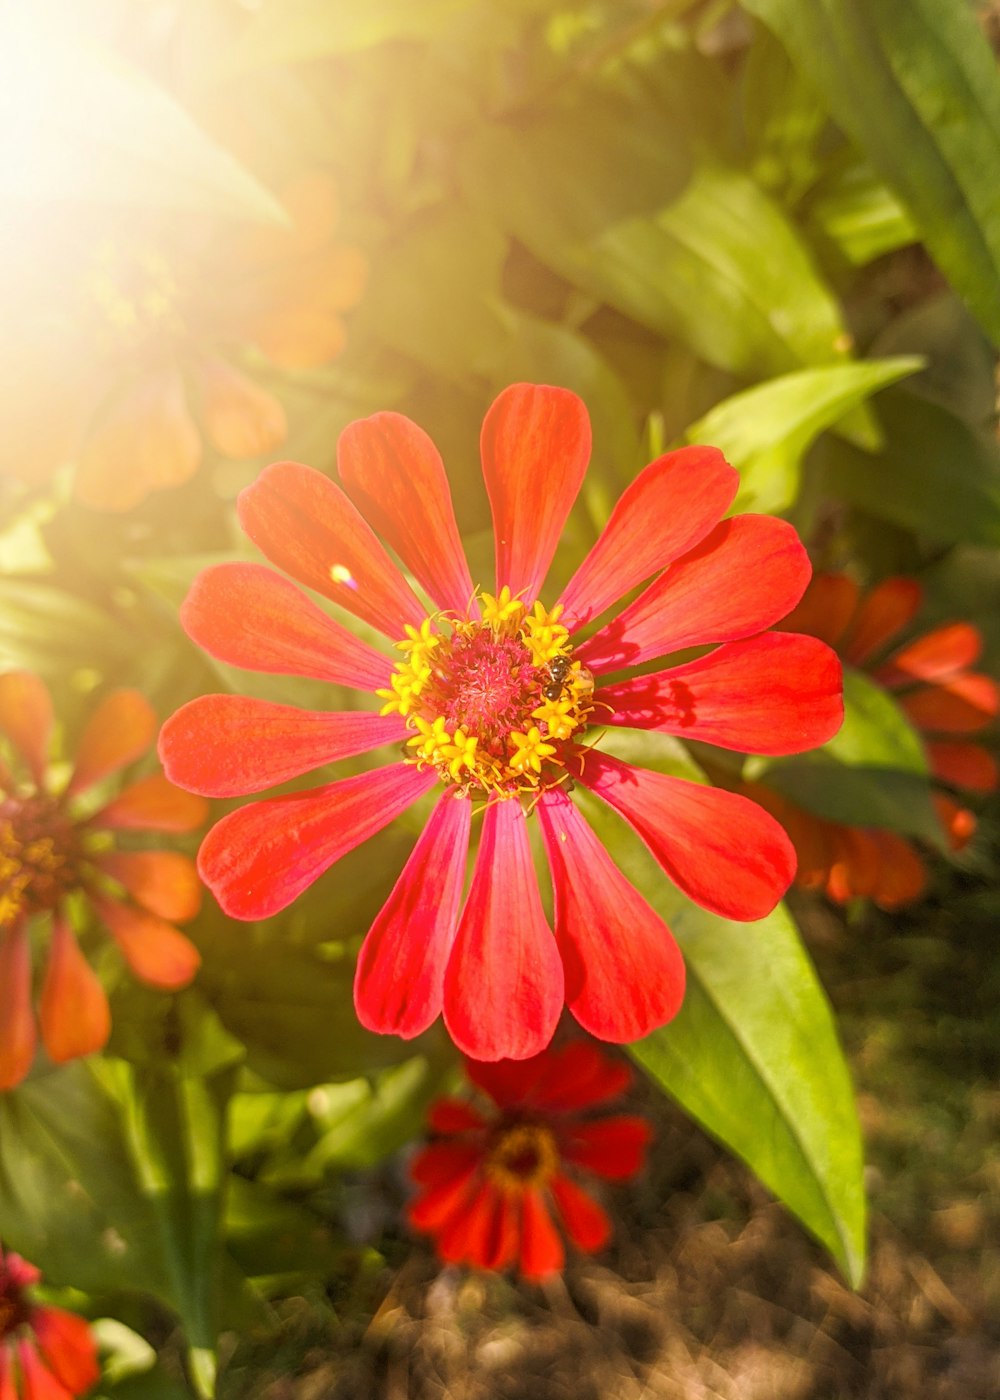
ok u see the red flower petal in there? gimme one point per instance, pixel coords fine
(447, 1200)
(542, 1250)
(963, 765)
(249, 616)
(742, 577)
(152, 804)
(260, 858)
(468, 1227)
(881, 614)
(958, 822)
(164, 882)
(394, 475)
(722, 850)
(503, 987)
(67, 1345)
(37, 1382)
(17, 1021)
(535, 447)
(400, 976)
(454, 1116)
(306, 525)
(962, 705)
(156, 952)
(826, 608)
(857, 864)
(668, 509)
(7, 1391)
(933, 657)
(624, 972)
(229, 745)
(778, 693)
(441, 1163)
(119, 731)
(74, 1012)
(26, 718)
(585, 1221)
(614, 1148)
(578, 1075)
(902, 875)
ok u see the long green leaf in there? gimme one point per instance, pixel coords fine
(753, 1054)
(765, 431)
(914, 83)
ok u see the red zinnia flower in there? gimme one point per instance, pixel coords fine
(45, 1353)
(53, 844)
(941, 697)
(490, 1185)
(495, 699)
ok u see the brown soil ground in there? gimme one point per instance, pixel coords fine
(710, 1290)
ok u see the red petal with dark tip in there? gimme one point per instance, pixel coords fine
(778, 693)
(826, 608)
(934, 657)
(535, 448)
(249, 616)
(963, 705)
(624, 972)
(722, 850)
(119, 731)
(963, 765)
(306, 525)
(260, 858)
(881, 614)
(742, 577)
(229, 745)
(399, 982)
(668, 509)
(394, 475)
(503, 988)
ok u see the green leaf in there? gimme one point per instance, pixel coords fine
(914, 83)
(753, 1054)
(303, 29)
(682, 263)
(90, 127)
(363, 1121)
(934, 475)
(853, 209)
(872, 773)
(765, 431)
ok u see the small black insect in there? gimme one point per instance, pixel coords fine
(558, 669)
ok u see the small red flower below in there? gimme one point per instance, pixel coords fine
(494, 1183)
(45, 1353)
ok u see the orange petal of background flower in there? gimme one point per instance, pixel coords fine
(958, 822)
(154, 804)
(962, 705)
(146, 442)
(26, 717)
(881, 614)
(164, 882)
(156, 952)
(17, 1021)
(120, 730)
(241, 419)
(73, 1011)
(902, 874)
(963, 765)
(933, 657)
(826, 608)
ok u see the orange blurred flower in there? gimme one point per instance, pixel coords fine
(57, 841)
(931, 678)
(126, 359)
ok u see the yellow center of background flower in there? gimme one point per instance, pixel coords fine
(521, 1157)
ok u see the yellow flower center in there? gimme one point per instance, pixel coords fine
(522, 1156)
(134, 293)
(496, 704)
(39, 855)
